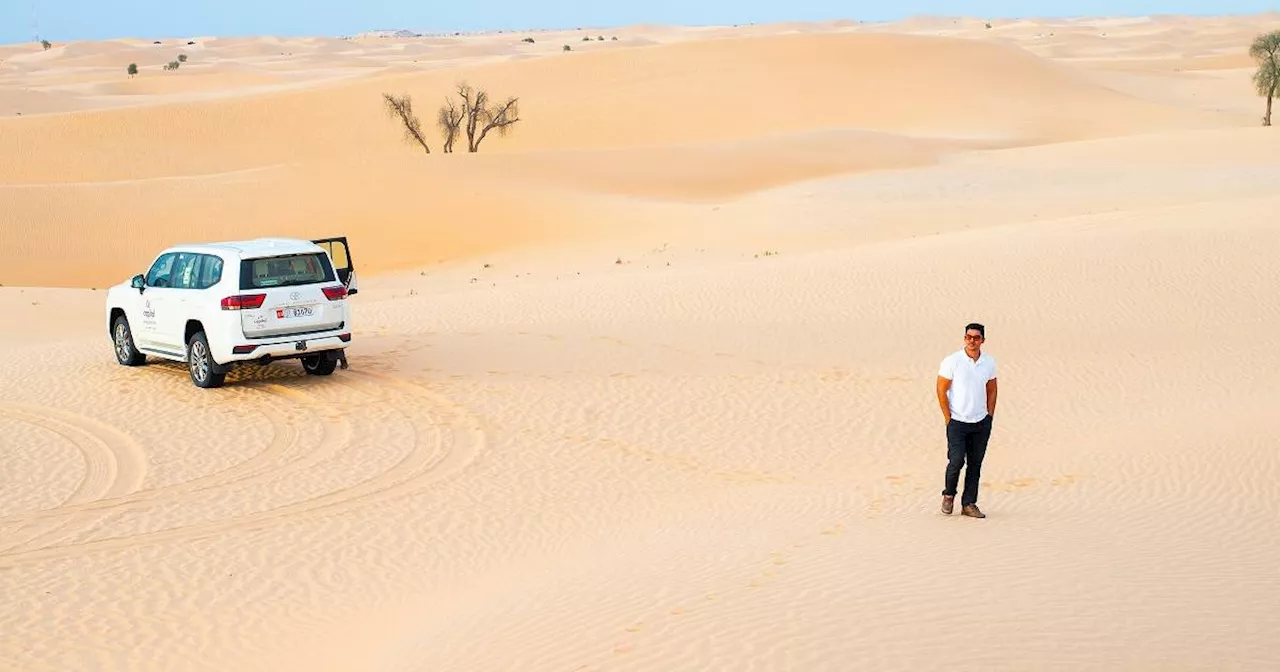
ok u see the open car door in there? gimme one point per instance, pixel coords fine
(340, 253)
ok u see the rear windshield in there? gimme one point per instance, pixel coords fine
(285, 271)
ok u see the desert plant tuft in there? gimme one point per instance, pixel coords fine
(1266, 51)
(46, 44)
(133, 69)
(182, 58)
(568, 48)
(402, 108)
(172, 65)
(528, 39)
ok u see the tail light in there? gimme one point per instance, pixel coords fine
(243, 302)
(335, 293)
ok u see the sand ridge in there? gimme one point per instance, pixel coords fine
(649, 383)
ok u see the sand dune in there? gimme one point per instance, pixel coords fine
(649, 383)
(344, 154)
(195, 80)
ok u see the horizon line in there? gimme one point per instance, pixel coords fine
(659, 24)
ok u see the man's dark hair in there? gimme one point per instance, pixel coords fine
(976, 327)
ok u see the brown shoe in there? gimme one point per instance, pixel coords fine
(948, 504)
(972, 511)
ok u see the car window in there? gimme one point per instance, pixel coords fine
(338, 252)
(286, 271)
(160, 271)
(184, 270)
(210, 271)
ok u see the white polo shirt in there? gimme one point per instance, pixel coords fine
(967, 395)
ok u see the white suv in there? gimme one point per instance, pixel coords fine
(219, 304)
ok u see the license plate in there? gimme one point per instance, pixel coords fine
(295, 311)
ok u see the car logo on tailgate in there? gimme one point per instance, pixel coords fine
(295, 296)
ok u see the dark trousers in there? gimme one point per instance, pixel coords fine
(966, 443)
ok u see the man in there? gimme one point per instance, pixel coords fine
(967, 396)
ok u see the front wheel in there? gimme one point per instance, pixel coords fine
(126, 353)
(319, 365)
(200, 362)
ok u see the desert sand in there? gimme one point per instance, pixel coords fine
(648, 384)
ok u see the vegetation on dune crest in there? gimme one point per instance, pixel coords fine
(402, 108)
(1266, 50)
(474, 114)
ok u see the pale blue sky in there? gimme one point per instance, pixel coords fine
(65, 20)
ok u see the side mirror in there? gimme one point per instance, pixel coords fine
(138, 282)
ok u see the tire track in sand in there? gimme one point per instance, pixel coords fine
(446, 438)
(114, 462)
(114, 465)
(92, 516)
(284, 439)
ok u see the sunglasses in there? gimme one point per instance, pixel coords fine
(973, 337)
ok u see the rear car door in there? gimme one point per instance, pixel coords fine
(183, 302)
(340, 254)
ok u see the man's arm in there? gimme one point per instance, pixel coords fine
(991, 397)
(944, 384)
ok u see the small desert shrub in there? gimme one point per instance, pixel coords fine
(182, 58)
(46, 44)
(568, 48)
(528, 39)
(133, 69)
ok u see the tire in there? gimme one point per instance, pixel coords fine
(122, 338)
(319, 365)
(200, 363)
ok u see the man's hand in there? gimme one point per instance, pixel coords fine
(993, 391)
(944, 384)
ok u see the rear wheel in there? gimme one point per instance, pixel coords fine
(126, 353)
(319, 365)
(200, 362)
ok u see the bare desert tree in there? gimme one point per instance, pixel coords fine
(449, 119)
(402, 108)
(1266, 50)
(479, 116)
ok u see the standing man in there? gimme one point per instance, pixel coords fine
(967, 395)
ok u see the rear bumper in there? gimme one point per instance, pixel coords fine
(247, 350)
